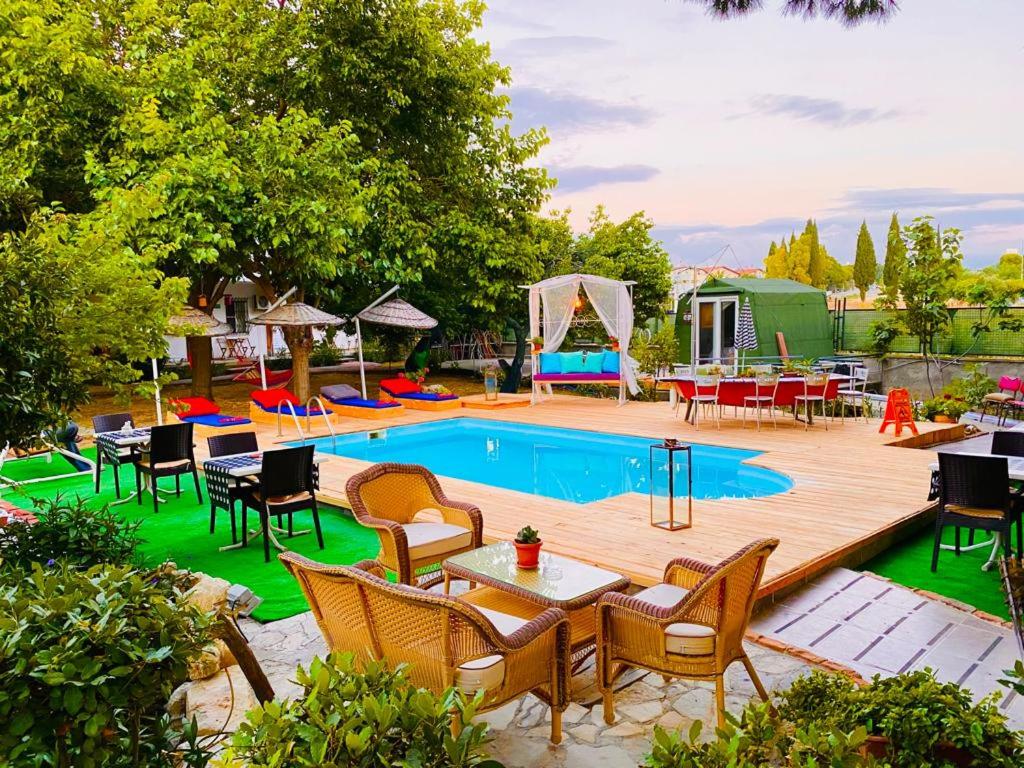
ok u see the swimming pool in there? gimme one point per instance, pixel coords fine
(569, 464)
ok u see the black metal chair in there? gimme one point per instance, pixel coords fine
(171, 454)
(223, 488)
(974, 494)
(115, 457)
(287, 486)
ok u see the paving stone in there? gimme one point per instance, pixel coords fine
(501, 718)
(574, 713)
(583, 756)
(623, 731)
(697, 704)
(643, 712)
(586, 732)
(673, 721)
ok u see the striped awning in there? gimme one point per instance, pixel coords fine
(746, 333)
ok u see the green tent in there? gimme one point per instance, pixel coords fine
(798, 311)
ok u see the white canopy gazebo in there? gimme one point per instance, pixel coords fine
(553, 307)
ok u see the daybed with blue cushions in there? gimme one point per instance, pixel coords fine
(206, 417)
(265, 404)
(412, 396)
(346, 401)
(574, 368)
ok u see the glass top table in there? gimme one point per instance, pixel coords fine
(558, 582)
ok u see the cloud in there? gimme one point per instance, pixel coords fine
(825, 111)
(927, 199)
(511, 19)
(578, 177)
(561, 111)
(552, 45)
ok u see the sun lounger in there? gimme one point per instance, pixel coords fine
(206, 418)
(265, 404)
(345, 401)
(410, 394)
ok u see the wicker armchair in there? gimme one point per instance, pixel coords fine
(690, 626)
(388, 497)
(445, 641)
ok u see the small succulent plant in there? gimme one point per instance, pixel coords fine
(527, 535)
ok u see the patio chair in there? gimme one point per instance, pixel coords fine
(112, 422)
(974, 493)
(1007, 391)
(388, 497)
(705, 393)
(765, 387)
(444, 641)
(854, 394)
(690, 626)
(286, 486)
(171, 454)
(815, 385)
(225, 494)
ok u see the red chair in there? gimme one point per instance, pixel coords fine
(1003, 398)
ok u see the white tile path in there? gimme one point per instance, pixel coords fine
(874, 626)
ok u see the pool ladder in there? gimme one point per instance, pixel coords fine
(298, 427)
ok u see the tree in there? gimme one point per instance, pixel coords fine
(847, 12)
(777, 263)
(895, 256)
(817, 262)
(864, 264)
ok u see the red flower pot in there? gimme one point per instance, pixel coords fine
(528, 555)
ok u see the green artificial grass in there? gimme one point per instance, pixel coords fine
(42, 465)
(181, 532)
(961, 578)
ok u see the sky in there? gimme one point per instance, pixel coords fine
(733, 133)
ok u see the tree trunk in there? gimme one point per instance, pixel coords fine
(200, 352)
(300, 343)
(514, 371)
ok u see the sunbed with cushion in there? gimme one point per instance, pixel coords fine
(265, 404)
(574, 368)
(206, 417)
(347, 402)
(411, 394)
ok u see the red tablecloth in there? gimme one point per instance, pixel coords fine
(732, 391)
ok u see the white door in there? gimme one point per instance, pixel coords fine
(716, 320)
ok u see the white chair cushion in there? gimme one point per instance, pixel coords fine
(689, 639)
(997, 397)
(662, 595)
(431, 539)
(488, 672)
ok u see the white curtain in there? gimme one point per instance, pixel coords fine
(613, 305)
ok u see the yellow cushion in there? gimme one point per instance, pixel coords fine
(689, 639)
(284, 499)
(975, 511)
(434, 539)
(488, 672)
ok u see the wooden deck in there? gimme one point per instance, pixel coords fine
(852, 492)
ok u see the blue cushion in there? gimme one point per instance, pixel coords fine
(358, 402)
(610, 364)
(300, 410)
(572, 362)
(215, 420)
(550, 362)
(592, 362)
(428, 396)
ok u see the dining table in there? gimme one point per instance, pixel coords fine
(733, 390)
(110, 444)
(232, 471)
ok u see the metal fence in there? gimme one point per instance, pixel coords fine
(853, 334)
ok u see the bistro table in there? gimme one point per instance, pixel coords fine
(110, 445)
(224, 473)
(557, 582)
(1015, 465)
(731, 391)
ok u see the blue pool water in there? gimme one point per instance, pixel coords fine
(569, 464)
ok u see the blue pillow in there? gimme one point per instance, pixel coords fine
(572, 362)
(610, 363)
(550, 362)
(592, 362)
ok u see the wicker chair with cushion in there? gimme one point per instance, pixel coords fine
(287, 485)
(230, 491)
(974, 493)
(444, 641)
(171, 454)
(388, 497)
(112, 422)
(690, 626)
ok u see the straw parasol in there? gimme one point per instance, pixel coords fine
(295, 315)
(194, 322)
(398, 313)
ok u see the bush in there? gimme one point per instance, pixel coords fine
(324, 353)
(972, 386)
(349, 718)
(88, 659)
(71, 532)
(654, 355)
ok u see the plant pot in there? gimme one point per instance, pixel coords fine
(941, 418)
(528, 555)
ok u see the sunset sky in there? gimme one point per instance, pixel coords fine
(735, 132)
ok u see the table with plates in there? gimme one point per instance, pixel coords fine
(557, 582)
(733, 390)
(227, 473)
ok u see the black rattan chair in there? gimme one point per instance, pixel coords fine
(974, 494)
(224, 491)
(171, 454)
(112, 422)
(286, 486)
(1008, 443)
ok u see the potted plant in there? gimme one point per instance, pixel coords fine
(536, 345)
(946, 408)
(613, 344)
(528, 544)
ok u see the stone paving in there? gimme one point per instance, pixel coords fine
(873, 626)
(520, 729)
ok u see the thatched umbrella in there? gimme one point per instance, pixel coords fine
(292, 318)
(192, 323)
(395, 312)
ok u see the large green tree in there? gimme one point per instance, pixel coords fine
(817, 262)
(848, 12)
(865, 265)
(895, 256)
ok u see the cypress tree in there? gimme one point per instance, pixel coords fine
(817, 265)
(895, 257)
(865, 266)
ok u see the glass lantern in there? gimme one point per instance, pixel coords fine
(490, 384)
(663, 511)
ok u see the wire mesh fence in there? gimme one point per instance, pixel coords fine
(853, 333)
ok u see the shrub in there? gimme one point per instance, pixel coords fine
(324, 353)
(972, 386)
(350, 718)
(88, 659)
(71, 532)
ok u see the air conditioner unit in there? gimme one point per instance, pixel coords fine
(261, 302)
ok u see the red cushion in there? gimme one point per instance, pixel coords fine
(196, 406)
(269, 398)
(399, 386)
